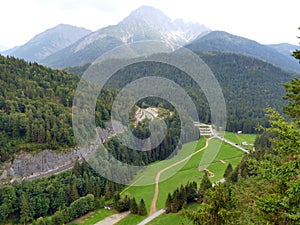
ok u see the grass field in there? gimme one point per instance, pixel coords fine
(240, 138)
(174, 218)
(131, 219)
(93, 217)
(189, 172)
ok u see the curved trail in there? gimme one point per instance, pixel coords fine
(153, 204)
(131, 185)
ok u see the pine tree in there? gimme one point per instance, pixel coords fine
(24, 209)
(77, 168)
(228, 171)
(205, 185)
(142, 208)
(73, 193)
(133, 206)
(175, 206)
(168, 203)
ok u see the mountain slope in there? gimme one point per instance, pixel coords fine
(145, 23)
(249, 85)
(220, 41)
(48, 42)
(285, 49)
(35, 106)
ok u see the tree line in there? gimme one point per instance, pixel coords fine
(59, 197)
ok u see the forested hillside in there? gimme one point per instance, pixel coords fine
(35, 106)
(264, 187)
(35, 101)
(65, 196)
(249, 85)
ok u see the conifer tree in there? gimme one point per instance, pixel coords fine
(205, 185)
(168, 203)
(142, 208)
(133, 206)
(24, 209)
(228, 171)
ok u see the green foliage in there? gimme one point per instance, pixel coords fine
(204, 186)
(264, 187)
(181, 196)
(228, 171)
(165, 149)
(24, 209)
(293, 95)
(34, 107)
(238, 77)
(65, 196)
(142, 211)
(133, 206)
(122, 204)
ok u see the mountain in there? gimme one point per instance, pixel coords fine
(219, 41)
(48, 42)
(285, 48)
(2, 48)
(249, 86)
(145, 23)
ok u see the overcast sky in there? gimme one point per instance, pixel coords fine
(266, 21)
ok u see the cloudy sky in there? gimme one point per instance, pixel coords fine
(266, 21)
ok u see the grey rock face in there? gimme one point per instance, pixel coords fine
(27, 166)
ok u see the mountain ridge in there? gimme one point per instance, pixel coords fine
(48, 42)
(140, 25)
(221, 41)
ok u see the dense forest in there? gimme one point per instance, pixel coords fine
(35, 107)
(247, 83)
(65, 196)
(35, 114)
(35, 101)
(264, 187)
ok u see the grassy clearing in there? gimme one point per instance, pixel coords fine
(240, 138)
(93, 217)
(167, 219)
(176, 218)
(148, 176)
(189, 172)
(131, 219)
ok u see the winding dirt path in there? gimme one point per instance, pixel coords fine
(153, 204)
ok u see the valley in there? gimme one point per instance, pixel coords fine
(155, 195)
(88, 138)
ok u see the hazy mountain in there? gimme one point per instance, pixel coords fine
(285, 48)
(48, 42)
(145, 23)
(219, 41)
(3, 48)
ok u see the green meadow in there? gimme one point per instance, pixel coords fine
(187, 171)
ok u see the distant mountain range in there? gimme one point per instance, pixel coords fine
(68, 46)
(219, 41)
(285, 48)
(48, 42)
(145, 23)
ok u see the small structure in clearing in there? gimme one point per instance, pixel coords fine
(205, 129)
